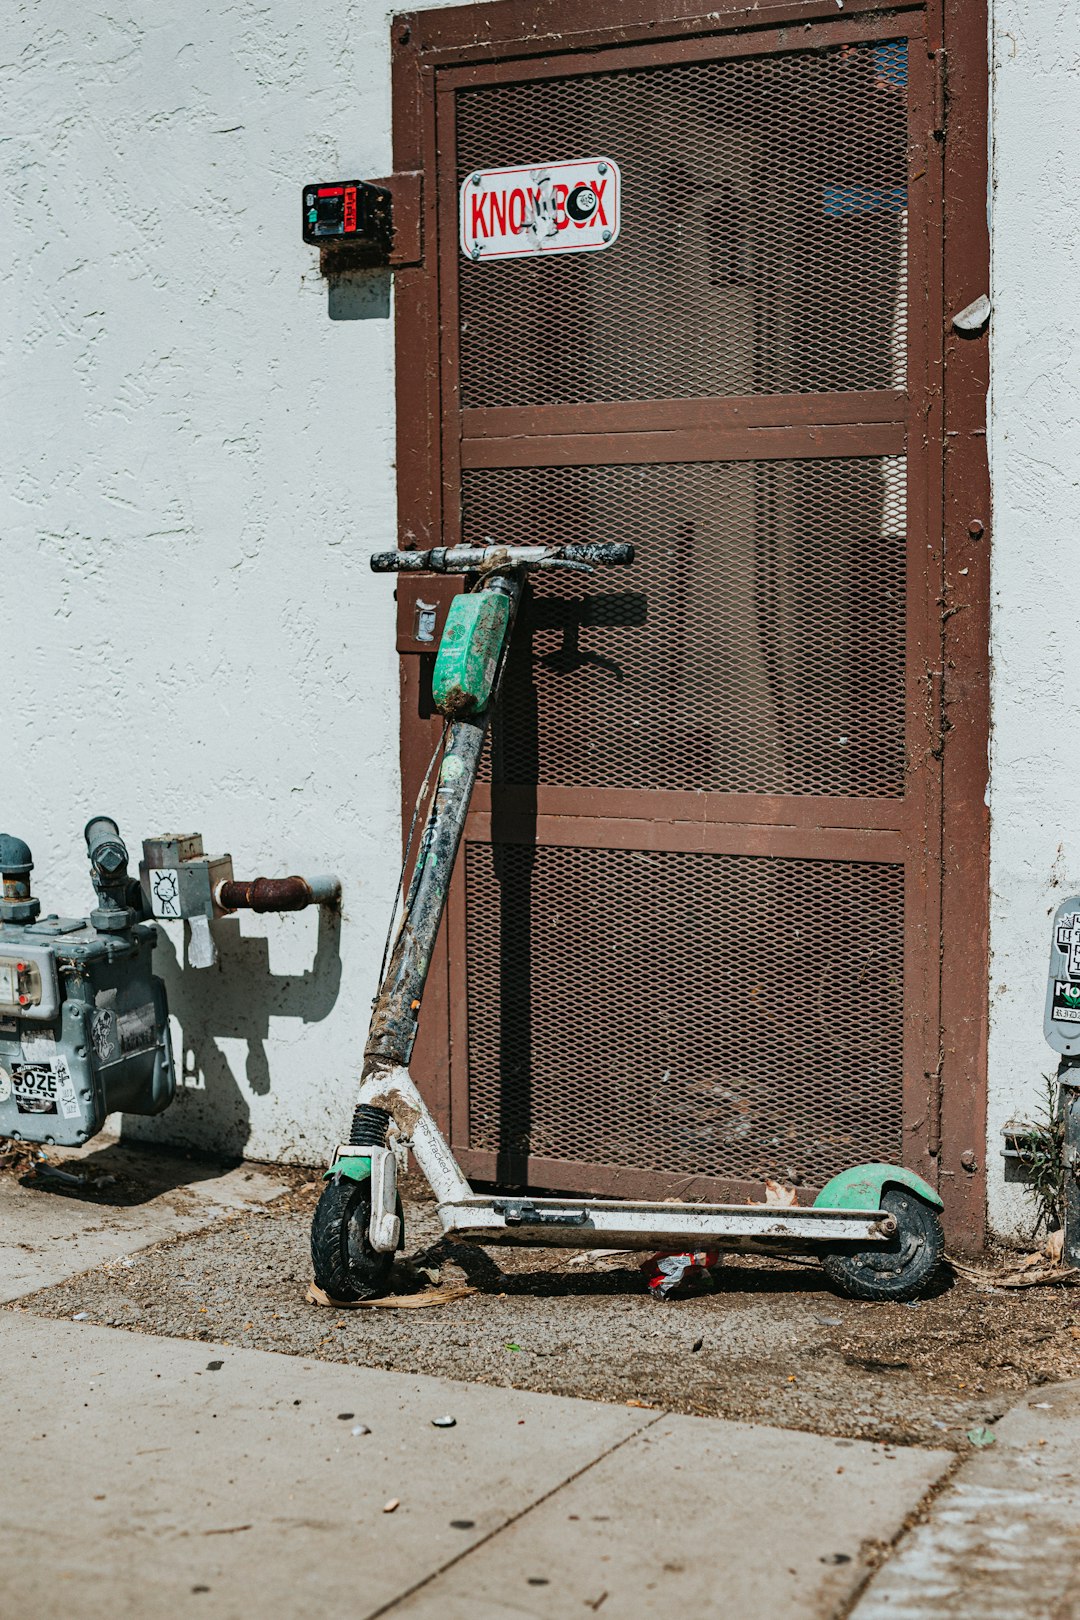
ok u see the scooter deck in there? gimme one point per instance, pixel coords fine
(580, 1223)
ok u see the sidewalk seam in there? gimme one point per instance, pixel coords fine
(467, 1552)
(918, 1515)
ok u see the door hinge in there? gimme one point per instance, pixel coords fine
(941, 94)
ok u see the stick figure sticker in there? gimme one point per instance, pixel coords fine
(540, 209)
(165, 891)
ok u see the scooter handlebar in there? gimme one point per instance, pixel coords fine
(466, 559)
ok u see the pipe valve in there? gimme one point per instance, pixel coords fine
(179, 880)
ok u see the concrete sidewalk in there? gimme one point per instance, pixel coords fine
(44, 1240)
(150, 1477)
(1002, 1541)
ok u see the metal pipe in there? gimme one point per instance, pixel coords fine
(278, 894)
(1069, 1111)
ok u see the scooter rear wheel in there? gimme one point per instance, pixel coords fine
(346, 1266)
(901, 1269)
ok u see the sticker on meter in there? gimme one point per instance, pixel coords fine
(540, 209)
(1067, 939)
(65, 1090)
(38, 1045)
(1066, 1003)
(165, 891)
(137, 1029)
(35, 1087)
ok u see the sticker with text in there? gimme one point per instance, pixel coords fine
(65, 1090)
(35, 1087)
(137, 1029)
(540, 209)
(1066, 1004)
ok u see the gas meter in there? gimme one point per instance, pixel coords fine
(84, 1022)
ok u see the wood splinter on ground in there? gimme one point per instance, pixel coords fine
(1046, 1265)
(430, 1296)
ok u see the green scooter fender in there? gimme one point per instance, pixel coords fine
(357, 1168)
(861, 1187)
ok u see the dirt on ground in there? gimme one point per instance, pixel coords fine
(771, 1342)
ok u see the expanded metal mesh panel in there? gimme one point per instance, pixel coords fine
(721, 1015)
(763, 241)
(756, 645)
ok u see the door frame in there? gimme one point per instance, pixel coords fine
(424, 46)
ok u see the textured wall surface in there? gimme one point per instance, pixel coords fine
(197, 454)
(1035, 463)
(195, 459)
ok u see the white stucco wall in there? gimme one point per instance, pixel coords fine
(196, 456)
(195, 460)
(1035, 465)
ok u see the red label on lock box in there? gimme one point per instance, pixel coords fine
(540, 208)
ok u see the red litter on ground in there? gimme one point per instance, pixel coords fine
(671, 1273)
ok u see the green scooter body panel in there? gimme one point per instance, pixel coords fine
(861, 1187)
(355, 1166)
(469, 652)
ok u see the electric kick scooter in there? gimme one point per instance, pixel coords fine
(876, 1227)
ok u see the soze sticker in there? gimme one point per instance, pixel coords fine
(35, 1087)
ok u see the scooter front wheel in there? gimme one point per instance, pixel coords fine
(901, 1269)
(346, 1266)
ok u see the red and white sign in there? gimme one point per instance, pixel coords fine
(540, 209)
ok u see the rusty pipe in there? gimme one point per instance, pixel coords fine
(277, 894)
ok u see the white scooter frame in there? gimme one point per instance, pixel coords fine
(876, 1226)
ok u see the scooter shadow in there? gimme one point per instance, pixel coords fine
(764, 1279)
(767, 1279)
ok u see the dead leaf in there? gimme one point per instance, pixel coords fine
(777, 1194)
(402, 1302)
(1024, 1276)
(19, 1156)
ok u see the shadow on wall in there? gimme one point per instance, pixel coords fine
(362, 295)
(235, 1001)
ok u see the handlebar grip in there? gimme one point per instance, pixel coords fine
(463, 559)
(607, 551)
(400, 562)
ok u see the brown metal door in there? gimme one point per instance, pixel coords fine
(693, 939)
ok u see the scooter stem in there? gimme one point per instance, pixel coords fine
(396, 1014)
